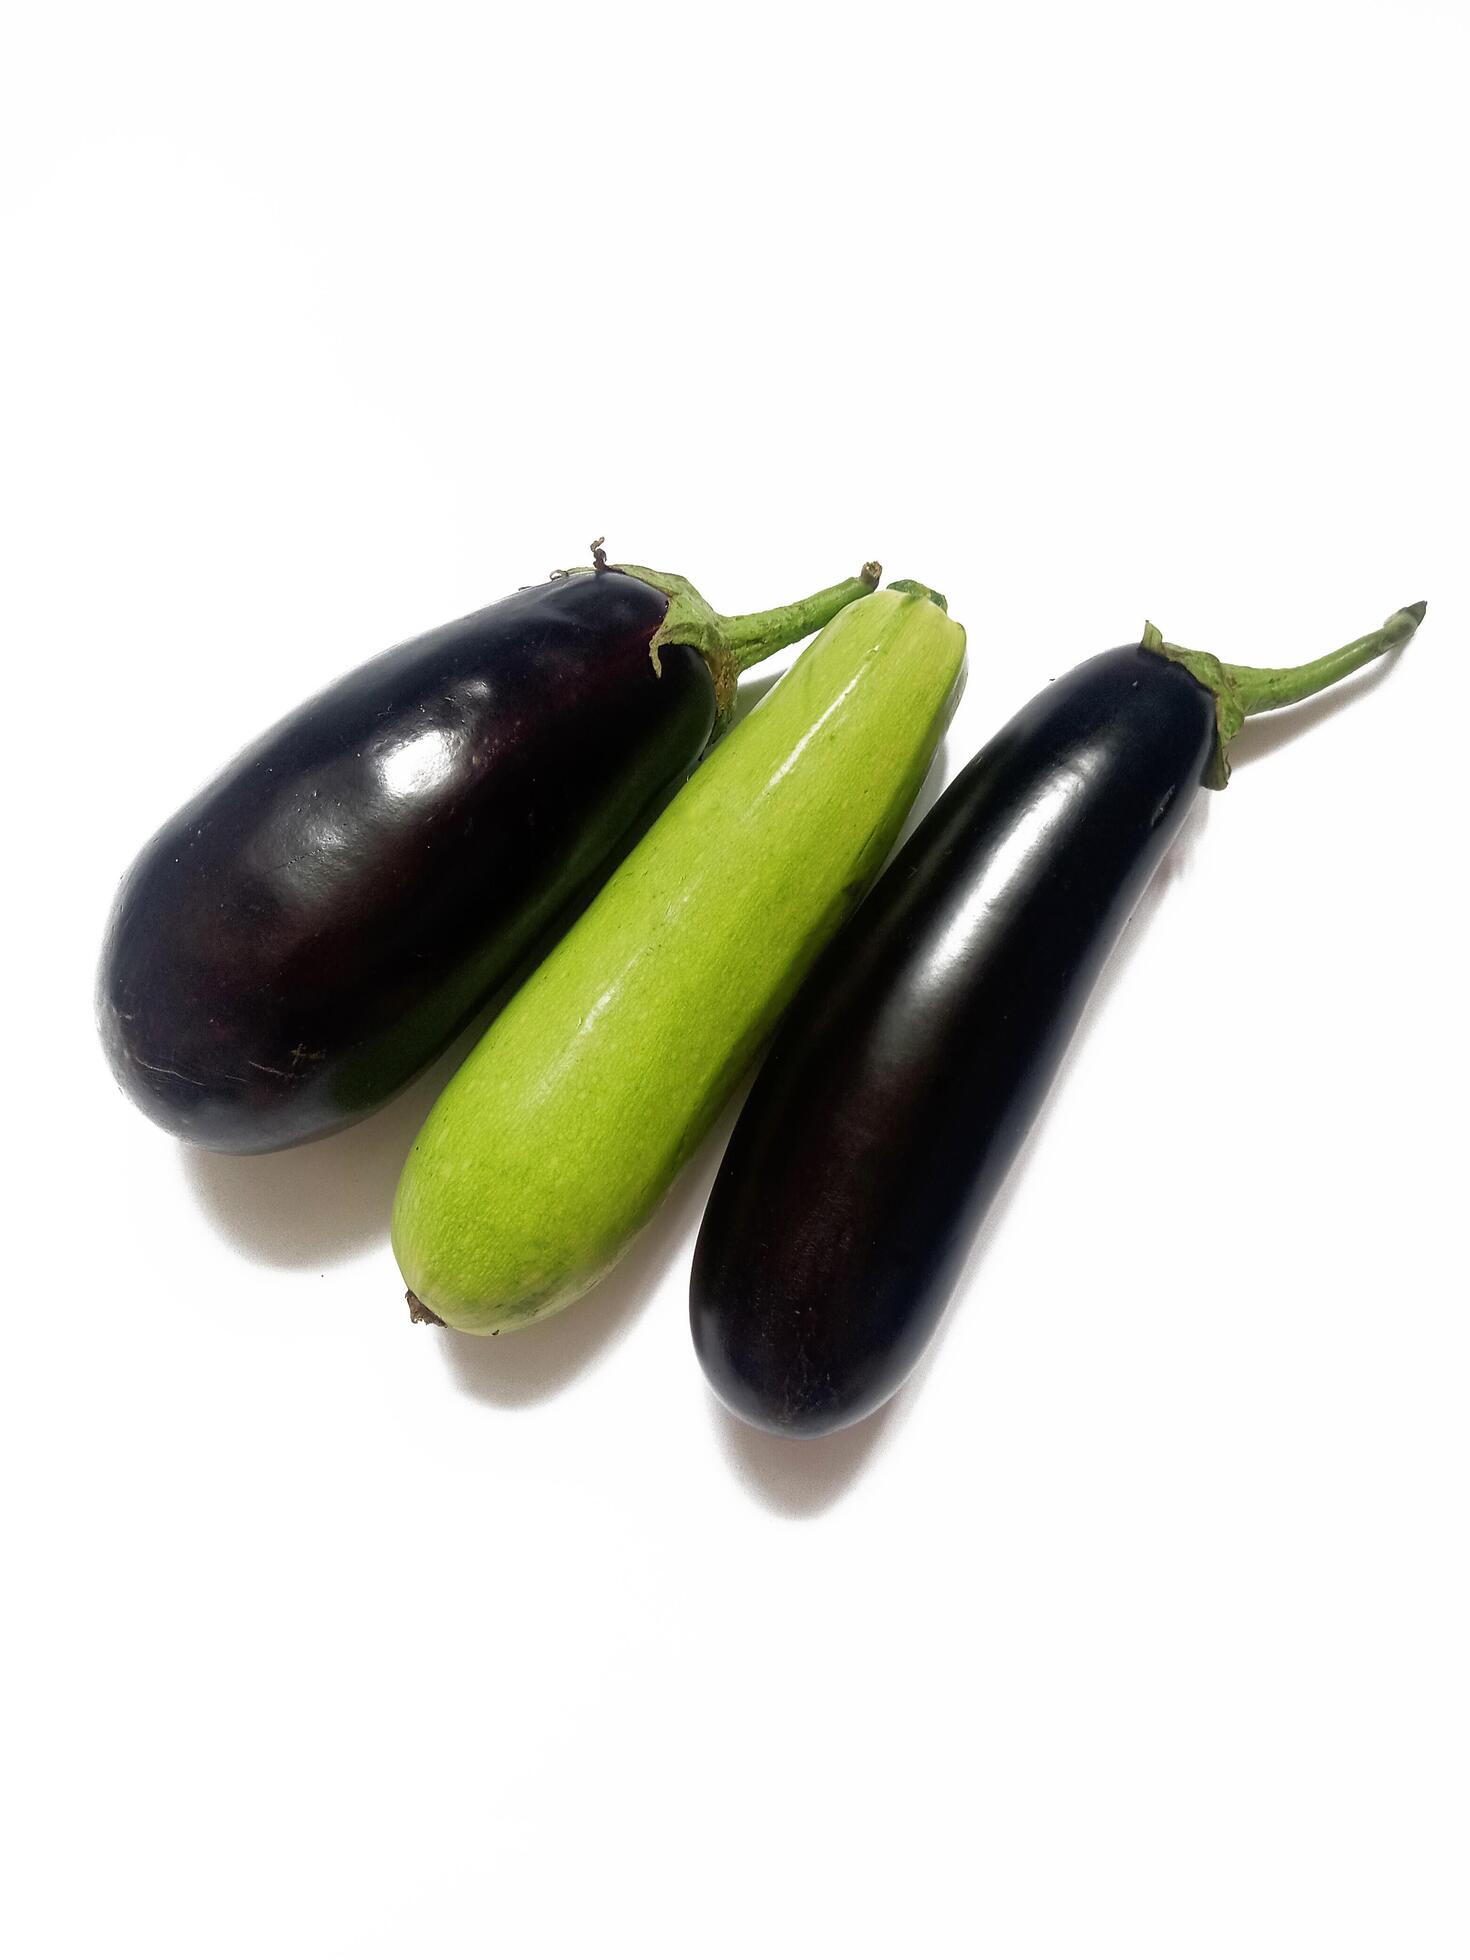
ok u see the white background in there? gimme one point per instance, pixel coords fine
(1139, 1624)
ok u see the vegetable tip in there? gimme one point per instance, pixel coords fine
(919, 591)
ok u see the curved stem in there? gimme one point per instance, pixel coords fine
(1258, 689)
(1242, 691)
(751, 637)
(728, 645)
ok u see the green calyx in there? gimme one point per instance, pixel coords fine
(729, 643)
(1243, 691)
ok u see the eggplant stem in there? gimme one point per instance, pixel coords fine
(1243, 691)
(752, 637)
(730, 645)
(1260, 689)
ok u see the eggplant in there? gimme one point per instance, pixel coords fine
(323, 918)
(908, 1069)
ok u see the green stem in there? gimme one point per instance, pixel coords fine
(1243, 691)
(1262, 688)
(752, 637)
(730, 645)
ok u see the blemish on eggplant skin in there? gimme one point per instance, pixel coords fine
(1161, 807)
(158, 1068)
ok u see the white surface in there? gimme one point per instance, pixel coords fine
(1139, 1624)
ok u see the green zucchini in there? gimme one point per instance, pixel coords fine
(564, 1127)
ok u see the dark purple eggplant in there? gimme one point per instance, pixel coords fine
(908, 1069)
(321, 920)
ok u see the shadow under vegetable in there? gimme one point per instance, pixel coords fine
(517, 1370)
(321, 1203)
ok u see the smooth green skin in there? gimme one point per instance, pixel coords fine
(556, 1139)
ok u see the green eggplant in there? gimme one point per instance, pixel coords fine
(554, 1142)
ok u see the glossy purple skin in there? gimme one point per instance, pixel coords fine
(320, 921)
(908, 1069)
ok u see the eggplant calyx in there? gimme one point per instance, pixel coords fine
(1211, 675)
(729, 643)
(1243, 691)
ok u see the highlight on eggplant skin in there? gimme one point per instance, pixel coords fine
(905, 1075)
(318, 923)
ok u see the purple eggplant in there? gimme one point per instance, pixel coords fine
(907, 1071)
(322, 919)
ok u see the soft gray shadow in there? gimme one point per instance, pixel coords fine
(794, 1476)
(516, 1370)
(320, 1203)
(1264, 735)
